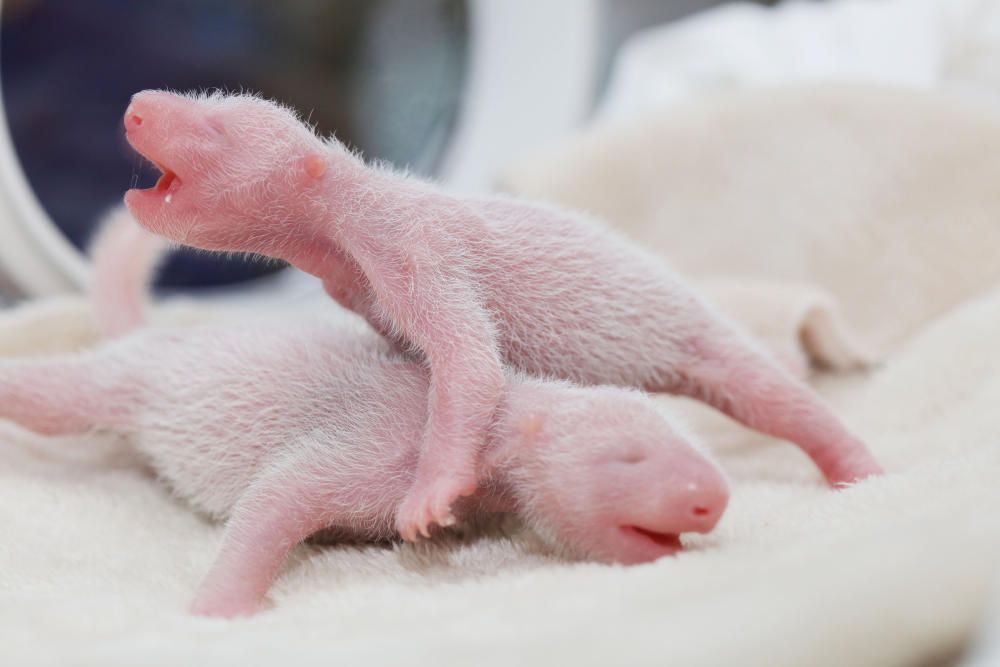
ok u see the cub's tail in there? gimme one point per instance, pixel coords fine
(125, 259)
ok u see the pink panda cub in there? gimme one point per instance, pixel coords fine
(471, 283)
(285, 429)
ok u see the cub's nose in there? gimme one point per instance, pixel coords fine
(705, 507)
(697, 504)
(133, 117)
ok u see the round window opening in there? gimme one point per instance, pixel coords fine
(385, 76)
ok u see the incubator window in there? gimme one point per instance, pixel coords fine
(386, 76)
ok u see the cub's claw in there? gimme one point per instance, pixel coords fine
(427, 505)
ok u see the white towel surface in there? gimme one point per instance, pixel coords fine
(842, 225)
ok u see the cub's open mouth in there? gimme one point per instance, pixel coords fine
(167, 182)
(671, 541)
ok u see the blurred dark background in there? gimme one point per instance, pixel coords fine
(385, 75)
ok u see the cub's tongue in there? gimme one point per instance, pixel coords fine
(168, 181)
(670, 540)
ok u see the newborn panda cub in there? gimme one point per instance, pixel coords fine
(471, 283)
(288, 428)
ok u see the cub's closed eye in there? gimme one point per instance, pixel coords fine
(217, 126)
(631, 456)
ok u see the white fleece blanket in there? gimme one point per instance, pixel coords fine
(842, 225)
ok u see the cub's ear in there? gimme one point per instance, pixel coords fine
(530, 427)
(527, 437)
(313, 166)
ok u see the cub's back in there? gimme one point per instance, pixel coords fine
(221, 403)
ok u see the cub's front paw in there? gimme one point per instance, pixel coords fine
(430, 503)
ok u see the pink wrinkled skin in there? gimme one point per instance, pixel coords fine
(472, 283)
(292, 427)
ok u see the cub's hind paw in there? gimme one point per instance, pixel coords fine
(851, 469)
